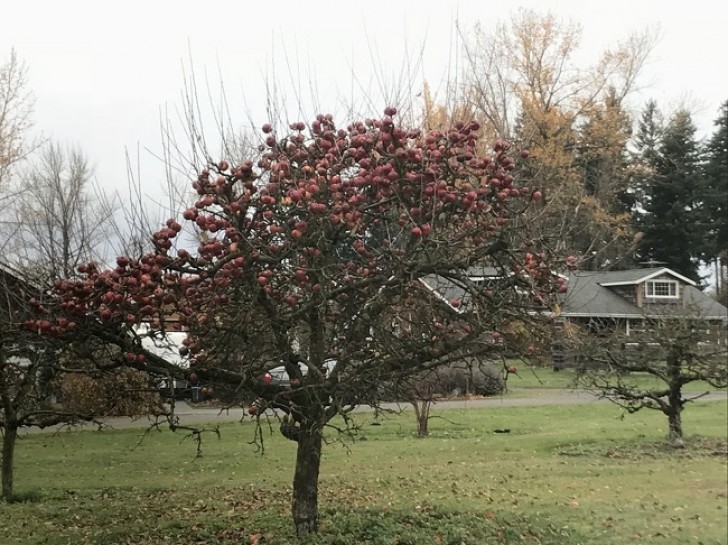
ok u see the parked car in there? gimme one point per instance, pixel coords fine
(279, 375)
(179, 389)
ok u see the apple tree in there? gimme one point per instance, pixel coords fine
(343, 254)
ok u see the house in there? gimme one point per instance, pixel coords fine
(623, 301)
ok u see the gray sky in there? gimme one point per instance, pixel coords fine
(102, 72)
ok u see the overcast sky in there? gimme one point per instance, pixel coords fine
(102, 72)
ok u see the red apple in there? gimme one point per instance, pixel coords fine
(267, 378)
(253, 410)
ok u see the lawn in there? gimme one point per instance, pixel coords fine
(530, 379)
(563, 475)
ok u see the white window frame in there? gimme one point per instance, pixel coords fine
(652, 283)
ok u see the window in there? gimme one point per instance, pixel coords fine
(661, 289)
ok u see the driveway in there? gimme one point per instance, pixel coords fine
(195, 414)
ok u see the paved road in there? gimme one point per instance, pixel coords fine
(192, 414)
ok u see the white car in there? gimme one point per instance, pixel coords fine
(279, 375)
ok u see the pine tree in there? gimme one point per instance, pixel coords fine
(671, 222)
(643, 164)
(716, 200)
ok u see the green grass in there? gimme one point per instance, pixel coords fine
(536, 378)
(563, 475)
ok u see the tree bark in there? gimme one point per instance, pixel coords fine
(10, 434)
(675, 401)
(305, 480)
(422, 413)
(676, 433)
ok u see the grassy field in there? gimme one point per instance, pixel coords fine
(563, 475)
(530, 379)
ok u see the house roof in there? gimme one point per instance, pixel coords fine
(8, 269)
(447, 290)
(707, 306)
(637, 276)
(589, 295)
(586, 296)
(22, 277)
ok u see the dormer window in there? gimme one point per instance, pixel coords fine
(661, 289)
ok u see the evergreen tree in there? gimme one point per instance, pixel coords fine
(643, 164)
(716, 201)
(671, 222)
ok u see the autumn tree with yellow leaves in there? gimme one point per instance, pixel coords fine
(524, 82)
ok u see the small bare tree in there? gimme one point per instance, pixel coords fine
(463, 378)
(674, 350)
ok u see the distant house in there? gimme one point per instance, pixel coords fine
(448, 291)
(621, 301)
(15, 292)
(18, 350)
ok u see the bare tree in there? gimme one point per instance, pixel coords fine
(672, 349)
(526, 70)
(16, 113)
(422, 391)
(62, 219)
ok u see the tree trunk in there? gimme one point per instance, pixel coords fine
(10, 434)
(676, 433)
(674, 398)
(305, 480)
(422, 413)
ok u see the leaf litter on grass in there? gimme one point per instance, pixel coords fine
(695, 447)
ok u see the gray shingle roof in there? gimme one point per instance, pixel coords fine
(708, 307)
(447, 290)
(588, 295)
